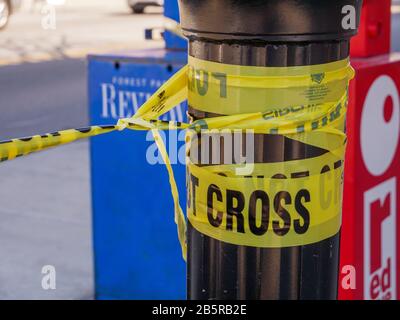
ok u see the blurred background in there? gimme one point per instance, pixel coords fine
(42, 55)
(45, 215)
(45, 210)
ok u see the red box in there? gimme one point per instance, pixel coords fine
(374, 32)
(370, 243)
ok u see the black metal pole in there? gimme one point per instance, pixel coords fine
(269, 33)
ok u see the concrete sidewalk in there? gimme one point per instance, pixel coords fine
(46, 220)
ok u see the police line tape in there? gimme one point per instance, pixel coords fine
(275, 206)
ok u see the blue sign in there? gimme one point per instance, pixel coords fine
(136, 248)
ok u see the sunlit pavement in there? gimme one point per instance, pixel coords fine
(43, 32)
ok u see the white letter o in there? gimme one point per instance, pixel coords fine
(379, 138)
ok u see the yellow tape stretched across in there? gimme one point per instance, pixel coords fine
(279, 204)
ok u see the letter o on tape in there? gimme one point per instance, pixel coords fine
(379, 137)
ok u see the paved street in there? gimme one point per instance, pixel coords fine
(45, 214)
(42, 96)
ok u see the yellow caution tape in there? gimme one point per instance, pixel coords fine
(261, 211)
(11, 149)
(231, 89)
(279, 204)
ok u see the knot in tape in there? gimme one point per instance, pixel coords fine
(134, 124)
